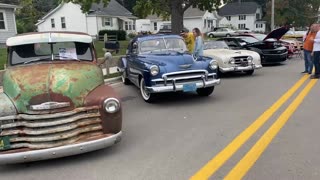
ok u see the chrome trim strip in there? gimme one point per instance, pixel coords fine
(181, 78)
(49, 106)
(62, 151)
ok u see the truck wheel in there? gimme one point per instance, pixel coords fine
(250, 72)
(124, 78)
(147, 97)
(205, 91)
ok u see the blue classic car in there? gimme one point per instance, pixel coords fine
(161, 63)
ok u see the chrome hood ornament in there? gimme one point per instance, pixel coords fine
(185, 66)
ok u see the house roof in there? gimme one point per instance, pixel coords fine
(2, 5)
(237, 8)
(189, 13)
(113, 9)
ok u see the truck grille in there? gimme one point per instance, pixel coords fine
(51, 130)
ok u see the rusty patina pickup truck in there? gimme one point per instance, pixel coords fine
(54, 101)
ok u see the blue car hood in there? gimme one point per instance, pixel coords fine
(173, 61)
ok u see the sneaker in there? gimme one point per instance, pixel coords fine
(304, 72)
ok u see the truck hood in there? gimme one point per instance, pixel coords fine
(58, 82)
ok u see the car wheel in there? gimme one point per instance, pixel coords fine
(250, 72)
(211, 36)
(205, 91)
(124, 78)
(228, 35)
(148, 97)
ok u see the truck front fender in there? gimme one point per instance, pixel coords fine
(7, 108)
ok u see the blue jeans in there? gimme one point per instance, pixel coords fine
(308, 61)
(316, 62)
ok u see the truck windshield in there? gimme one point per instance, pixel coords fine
(28, 53)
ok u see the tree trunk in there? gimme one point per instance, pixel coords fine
(176, 16)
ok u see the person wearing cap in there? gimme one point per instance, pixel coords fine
(188, 39)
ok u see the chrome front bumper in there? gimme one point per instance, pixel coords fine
(179, 87)
(246, 68)
(62, 151)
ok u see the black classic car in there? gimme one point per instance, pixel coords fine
(270, 49)
(161, 63)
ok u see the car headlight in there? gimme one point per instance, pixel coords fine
(250, 59)
(154, 70)
(232, 61)
(213, 64)
(111, 105)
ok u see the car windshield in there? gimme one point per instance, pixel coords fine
(249, 40)
(216, 45)
(28, 53)
(162, 45)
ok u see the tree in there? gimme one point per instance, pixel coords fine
(10, 1)
(173, 9)
(128, 4)
(86, 4)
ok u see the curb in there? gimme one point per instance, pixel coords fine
(112, 80)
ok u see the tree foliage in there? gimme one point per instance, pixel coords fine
(86, 4)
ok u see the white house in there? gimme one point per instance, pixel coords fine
(242, 15)
(193, 17)
(69, 17)
(8, 26)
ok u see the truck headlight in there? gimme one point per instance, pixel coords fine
(213, 64)
(154, 70)
(250, 59)
(111, 105)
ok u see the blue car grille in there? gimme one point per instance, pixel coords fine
(182, 77)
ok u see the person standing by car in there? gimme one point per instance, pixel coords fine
(198, 48)
(316, 54)
(188, 39)
(308, 47)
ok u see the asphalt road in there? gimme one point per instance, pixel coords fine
(183, 135)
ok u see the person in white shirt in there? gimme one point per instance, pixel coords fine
(316, 54)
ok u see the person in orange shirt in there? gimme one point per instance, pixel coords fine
(189, 39)
(308, 48)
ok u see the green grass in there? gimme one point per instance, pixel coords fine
(3, 58)
(100, 45)
(112, 75)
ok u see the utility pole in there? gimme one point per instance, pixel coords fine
(272, 15)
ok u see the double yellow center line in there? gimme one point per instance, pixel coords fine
(254, 153)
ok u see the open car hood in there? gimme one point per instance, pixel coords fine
(277, 33)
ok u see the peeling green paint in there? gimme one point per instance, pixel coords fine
(72, 79)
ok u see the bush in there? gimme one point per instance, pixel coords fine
(120, 33)
(132, 35)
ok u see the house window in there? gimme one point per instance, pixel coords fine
(241, 26)
(242, 17)
(63, 22)
(258, 16)
(129, 25)
(53, 25)
(205, 23)
(228, 18)
(2, 21)
(107, 22)
(155, 26)
(259, 25)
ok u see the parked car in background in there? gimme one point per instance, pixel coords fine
(229, 60)
(54, 101)
(245, 30)
(160, 63)
(222, 32)
(270, 49)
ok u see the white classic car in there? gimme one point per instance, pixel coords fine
(232, 60)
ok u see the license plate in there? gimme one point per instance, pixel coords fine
(189, 87)
(4, 143)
